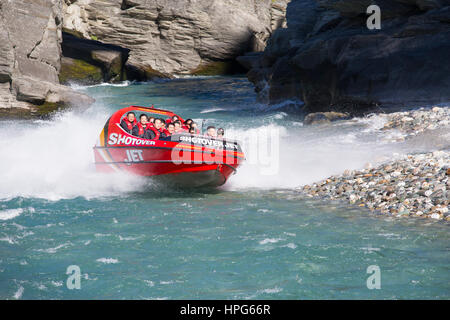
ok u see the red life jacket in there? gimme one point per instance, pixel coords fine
(168, 121)
(156, 131)
(129, 124)
(141, 129)
(166, 132)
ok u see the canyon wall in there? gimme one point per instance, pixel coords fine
(48, 42)
(167, 38)
(328, 58)
(30, 37)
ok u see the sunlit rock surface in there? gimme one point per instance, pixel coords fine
(30, 36)
(177, 37)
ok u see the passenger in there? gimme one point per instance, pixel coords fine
(128, 122)
(211, 132)
(154, 132)
(178, 128)
(151, 120)
(172, 119)
(194, 125)
(187, 124)
(171, 128)
(151, 133)
(159, 124)
(191, 130)
(140, 128)
(164, 132)
(220, 133)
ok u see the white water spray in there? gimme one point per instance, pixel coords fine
(307, 154)
(54, 159)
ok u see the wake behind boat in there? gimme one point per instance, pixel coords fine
(182, 158)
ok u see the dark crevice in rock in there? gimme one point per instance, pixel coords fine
(127, 4)
(84, 59)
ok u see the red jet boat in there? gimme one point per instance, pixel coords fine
(181, 159)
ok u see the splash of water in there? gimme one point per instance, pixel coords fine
(306, 154)
(53, 159)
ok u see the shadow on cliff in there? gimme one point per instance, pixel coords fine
(331, 61)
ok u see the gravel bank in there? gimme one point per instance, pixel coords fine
(412, 185)
(412, 123)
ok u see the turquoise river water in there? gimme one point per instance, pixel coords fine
(256, 237)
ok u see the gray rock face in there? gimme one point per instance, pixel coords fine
(176, 37)
(330, 60)
(30, 36)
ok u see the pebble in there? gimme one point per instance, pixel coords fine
(409, 186)
(414, 122)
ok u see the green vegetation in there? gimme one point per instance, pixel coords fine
(46, 109)
(79, 71)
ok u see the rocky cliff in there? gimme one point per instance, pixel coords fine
(45, 42)
(30, 37)
(167, 37)
(330, 60)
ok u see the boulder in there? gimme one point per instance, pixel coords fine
(324, 117)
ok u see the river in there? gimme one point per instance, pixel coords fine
(256, 237)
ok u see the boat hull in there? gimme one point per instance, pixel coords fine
(169, 172)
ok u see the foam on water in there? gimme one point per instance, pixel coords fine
(212, 110)
(306, 154)
(19, 293)
(255, 243)
(104, 84)
(54, 159)
(107, 260)
(10, 213)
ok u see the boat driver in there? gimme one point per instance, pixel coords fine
(128, 122)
